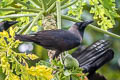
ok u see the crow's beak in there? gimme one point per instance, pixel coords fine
(12, 22)
(85, 23)
(88, 22)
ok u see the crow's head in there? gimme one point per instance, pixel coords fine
(83, 25)
(7, 24)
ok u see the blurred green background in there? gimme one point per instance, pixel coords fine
(112, 69)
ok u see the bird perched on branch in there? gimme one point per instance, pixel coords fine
(59, 40)
(94, 57)
(6, 24)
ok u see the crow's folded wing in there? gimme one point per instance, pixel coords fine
(56, 39)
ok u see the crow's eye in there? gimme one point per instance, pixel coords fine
(5, 21)
(79, 24)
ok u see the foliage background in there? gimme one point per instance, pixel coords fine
(104, 12)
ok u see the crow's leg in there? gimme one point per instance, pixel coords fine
(51, 53)
(56, 54)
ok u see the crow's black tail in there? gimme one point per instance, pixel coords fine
(92, 50)
(94, 56)
(92, 66)
(24, 37)
(97, 76)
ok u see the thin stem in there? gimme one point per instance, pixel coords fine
(58, 14)
(63, 2)
(61, 60)
(17, 15)
(24, 28)
(51, 2)
(69, 4)
(28, 6)
(50, 8)
(105, 32)
(69, 18)
(58, 7)
(66, 5)
(26, 10)
(92, 26)
(34, 21)
(36, 3)
(44, 5)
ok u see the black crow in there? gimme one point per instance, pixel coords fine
(59, 40)
(4, 25)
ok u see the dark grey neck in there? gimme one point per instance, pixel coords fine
(1, 28)
(81, 32)
(76, 32)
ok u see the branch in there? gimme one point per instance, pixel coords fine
(36, 3)
(58, 14)
(44, 5)
(66, 5)
(28, 6)
(92, 26)
(58, 7)
(24, 28)
(69, 4)
(51, 8)
(17, 15)
(63, 2)
(34, 21)
(51, 2)
(26, 10)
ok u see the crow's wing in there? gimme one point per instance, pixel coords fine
(52, 39)
(60, 39)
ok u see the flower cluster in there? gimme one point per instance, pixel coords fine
(14, 65)
(42, 71)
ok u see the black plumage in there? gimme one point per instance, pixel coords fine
(97, 76)
(59, 40)
(6, 24)
(94, 57)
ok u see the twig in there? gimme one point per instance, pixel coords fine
(69, 4)
(34, 21)
(49, 10)
(92, 26)
(63, 2)
(51, 2)
(17, 15)
(43, 5)
(26, 10)
(19, 1)
(58, 14)
(36, 3)
(66, 5)
(24, 28)
(58, 6)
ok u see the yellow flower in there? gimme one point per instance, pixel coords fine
(32, 56)
(42, 71)
(15, 77)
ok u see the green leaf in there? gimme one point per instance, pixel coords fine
(67, 73)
